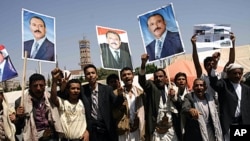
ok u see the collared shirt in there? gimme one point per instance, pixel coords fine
(40, 114)
(38, 42)
(95, 91)
(131, 96)
(237, 88)
(113, 51)
(162, 42)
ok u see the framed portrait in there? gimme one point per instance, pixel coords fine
(38, 36)
(160, 33)
(114, 48)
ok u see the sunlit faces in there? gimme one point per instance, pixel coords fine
(156, 25)
(127, 77)
(209, 65)
(74, 90)
(113, 40)
(199, 87)
(37, 28)
(235, 75)
(181, 81)
(91, 75)
(38, 88)
(160, 79)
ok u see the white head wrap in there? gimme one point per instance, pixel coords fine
(234, 66)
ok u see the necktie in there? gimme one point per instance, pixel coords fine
(159, 48)
(94, 104)
(33, 54)
(163, 95)
(117, 58)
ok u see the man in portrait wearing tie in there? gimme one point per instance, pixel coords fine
(39, 47)
(7, 70)
(166, 43)
(115, 54)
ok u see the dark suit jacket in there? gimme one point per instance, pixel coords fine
(8, 70)
(46, 51)
(228, 102)
(152, 101)
(106, 99)
(109, 60)
(172, 45)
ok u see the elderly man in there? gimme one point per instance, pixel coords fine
(234, 98)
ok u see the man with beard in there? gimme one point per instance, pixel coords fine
(166, 43)
(160, 113)
(39, 47)
(129, 114)
(115, 53)
(200, 114)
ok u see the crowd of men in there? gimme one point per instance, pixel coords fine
(158, 111)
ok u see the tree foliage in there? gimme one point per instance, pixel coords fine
(150, 68)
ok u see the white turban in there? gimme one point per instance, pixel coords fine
(234, 66)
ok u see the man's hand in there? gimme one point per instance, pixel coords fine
(232, 37)
(85, 136)
(194, 39)
(64, 81)
(194, 113)
(144, 59)
(55, 73)
(12, 117)
(171, 92)
(20, 111)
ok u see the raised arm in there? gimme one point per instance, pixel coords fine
(231, 51)
(195, 56)
(55, 76)
(142, 72)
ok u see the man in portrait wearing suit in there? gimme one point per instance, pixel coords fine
(7, 71)
(115, 54)
(39, 47)
(98, 100)
(166, 43)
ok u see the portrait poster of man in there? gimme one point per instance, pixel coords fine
(7, 70)
(213, 35)
(114, 47)
(38, 36)
(160, 33)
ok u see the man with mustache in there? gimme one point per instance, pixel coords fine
(115, 53)
(39, 47)
(166, 43)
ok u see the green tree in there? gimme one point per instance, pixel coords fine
(150, 68)
(81, 79)
(103, 73)
(19, 87)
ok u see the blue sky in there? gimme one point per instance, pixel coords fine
(78, 19)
